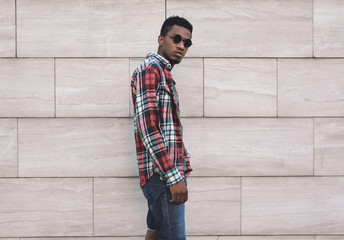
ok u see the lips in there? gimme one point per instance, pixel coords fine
(179, 54)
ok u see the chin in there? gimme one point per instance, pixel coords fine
(175, 61)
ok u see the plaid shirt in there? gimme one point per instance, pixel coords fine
(157, 127)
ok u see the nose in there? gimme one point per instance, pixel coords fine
(181, 46)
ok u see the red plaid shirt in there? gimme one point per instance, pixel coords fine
(157, 126)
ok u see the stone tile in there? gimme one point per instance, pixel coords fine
(85, 238)
(111, 238)
(8, 148)
(133, 63)
(92, 87)
(292, 205)
(240, 87)
(188, 76)
(329, 146)
(7, 29)
(120, 208)
(328, 28)
(249, 146)
(77, 147)
(202, 237)
(213, 206)
(311, 87)
(117, 238)
(248, 28)
(88, 28)
(266, 238)
(46, 207)
(329, 237)
(26, 87)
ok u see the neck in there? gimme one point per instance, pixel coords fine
(163, 55)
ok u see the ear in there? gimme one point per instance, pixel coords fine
(160, 40)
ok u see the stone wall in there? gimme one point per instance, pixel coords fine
(262, 104)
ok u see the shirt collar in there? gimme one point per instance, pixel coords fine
(163, 61)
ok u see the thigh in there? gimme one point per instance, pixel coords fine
(164, 217)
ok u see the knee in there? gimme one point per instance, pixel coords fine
(151, 235)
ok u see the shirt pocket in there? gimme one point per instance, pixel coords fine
(166, 113)
(165, 99)
(166, 89)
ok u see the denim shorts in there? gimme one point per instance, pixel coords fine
(166, 218)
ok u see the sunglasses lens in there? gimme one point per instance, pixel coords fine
(187, 43)
(177, 38)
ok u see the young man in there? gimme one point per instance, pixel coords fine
(163, 160)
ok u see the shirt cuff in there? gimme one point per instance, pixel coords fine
(173, 176)
(188, 154)
(188, 169)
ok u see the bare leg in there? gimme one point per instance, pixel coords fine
(151, 235)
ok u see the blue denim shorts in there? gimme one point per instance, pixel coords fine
(167, 219)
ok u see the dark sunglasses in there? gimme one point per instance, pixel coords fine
(178, 38)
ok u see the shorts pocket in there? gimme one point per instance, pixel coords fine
(148, 190)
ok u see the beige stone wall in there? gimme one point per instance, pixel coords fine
(262, 100)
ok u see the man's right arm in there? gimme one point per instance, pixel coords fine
(147, 121)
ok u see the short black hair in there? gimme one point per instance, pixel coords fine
(174, 20)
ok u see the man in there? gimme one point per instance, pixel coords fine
(163, 160)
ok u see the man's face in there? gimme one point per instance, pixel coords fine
(174, 52)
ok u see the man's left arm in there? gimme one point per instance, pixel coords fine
(187, 157)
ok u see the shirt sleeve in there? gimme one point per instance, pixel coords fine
(187, 157)
(147, 122)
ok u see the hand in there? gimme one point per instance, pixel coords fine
(186, 175)
(179, 193)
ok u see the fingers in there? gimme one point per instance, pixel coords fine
(173, 200)
(179, 193)
(179, 198)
